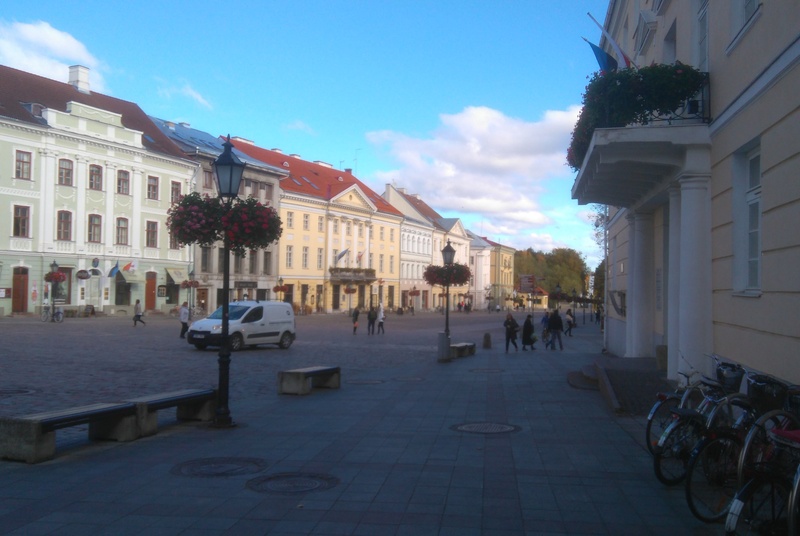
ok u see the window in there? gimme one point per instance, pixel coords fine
(380, 262)
(290, 220)
(267, 263)
(205, 259)
(122, 231)
(306, 222)
(95, 177)
(288, 256)
(208, 180)
(267, 190)
(64, 225)
(747, 220)
(305, 257)
(151, 234)
(335, 226)
(348, 229)
(702, 38)
(382, 236)
(95, 228)
(319, 258)
(175, 191)
(391, 235)
(220, 258)
(237, 263)
(753, 200)
(123, 182)
(22, 170)
(65, 172)
(22, 221)
(152, 187)
(253, 255)
(361, 230)
(320, 224)
(173, 242)
(371, 258)
(391, 264)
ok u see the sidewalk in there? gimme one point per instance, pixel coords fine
(490, 444)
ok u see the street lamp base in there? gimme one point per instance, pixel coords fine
(222, 422)
(444, 348)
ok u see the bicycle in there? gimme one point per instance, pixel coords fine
(57, 316)
(712, 476)
(661, 416)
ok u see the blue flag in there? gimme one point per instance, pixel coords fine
(114, 270)
(606, 62)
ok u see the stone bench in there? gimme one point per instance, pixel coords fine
(462, 349)
(190, 404)
(301, 381)
(32, 438)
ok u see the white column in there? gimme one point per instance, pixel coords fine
(640, 305)
(695, 269)
(630, 325)
(674, 362)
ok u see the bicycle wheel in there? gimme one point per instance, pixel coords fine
(672, 454)
(711, 477)
(757, 447)
(658, 420)
(45, 314)
(692, 397)
(759, 508)
(58, 316)
(794, 504)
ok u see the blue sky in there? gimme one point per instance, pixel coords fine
(468, 103)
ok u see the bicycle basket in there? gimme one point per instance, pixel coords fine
(730, 376)
(792, 402)
(766, 393)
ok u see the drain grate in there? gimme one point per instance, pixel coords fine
(213, 467)
(485, 428)
(292, 483)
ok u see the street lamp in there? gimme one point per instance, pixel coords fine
(228, 171)
(448, 255)
(280, 284)
(584, 307)
(558, 293)
(53, 285)
(574, 300)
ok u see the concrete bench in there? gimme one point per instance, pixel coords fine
(32, 438)
(190, 404)
(300, 381)
(462, 349)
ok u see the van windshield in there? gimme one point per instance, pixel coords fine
(235, 312)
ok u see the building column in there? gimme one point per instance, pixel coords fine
(695, 271)
(640, 304)
(630, 325)
(674, 361)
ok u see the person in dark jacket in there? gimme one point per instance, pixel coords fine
(511, 331)
(556, 326)
(355, 320)
(527, 333)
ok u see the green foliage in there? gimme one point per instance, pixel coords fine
(562, 266)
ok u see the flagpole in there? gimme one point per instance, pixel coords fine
(622, 56)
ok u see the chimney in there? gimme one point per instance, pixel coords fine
(348, 170)
(79, 78)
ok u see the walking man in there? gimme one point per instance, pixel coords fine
(137, 313)
(183, 315)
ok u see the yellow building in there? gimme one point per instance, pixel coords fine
(340, 246)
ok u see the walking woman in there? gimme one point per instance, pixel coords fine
(527, 333)
(511, 331)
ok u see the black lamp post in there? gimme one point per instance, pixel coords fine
(584, 307)
(53, 287)
(448, 256)
(228, 171)
(280, 284)
(574, 300)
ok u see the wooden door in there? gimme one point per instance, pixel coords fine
(150, 292)
(19, 292)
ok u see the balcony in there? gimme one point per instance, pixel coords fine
(352, 275)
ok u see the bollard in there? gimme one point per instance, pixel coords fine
(444, 348)
(487, 340)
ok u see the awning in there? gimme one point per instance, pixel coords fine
(178, 275)
(132, 277)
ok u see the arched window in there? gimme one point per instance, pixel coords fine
(65, 172)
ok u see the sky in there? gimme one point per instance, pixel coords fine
(468, 103)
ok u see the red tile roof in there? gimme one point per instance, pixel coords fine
(310, 178)
(18, 88)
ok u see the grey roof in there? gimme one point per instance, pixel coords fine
(477, 241)
(448, 223)
(196, 142)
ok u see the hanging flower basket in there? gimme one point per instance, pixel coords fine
(55, 277)
(195, 219)
(250, 225)
(454, 274)
(350, 290)
(413, 292)
(279, 288)
(190, 283)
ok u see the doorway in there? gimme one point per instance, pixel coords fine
(19, 293)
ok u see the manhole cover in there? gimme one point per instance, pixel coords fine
(211, 467)
(13, 392)
(365, 382)
(292, 483)
(485, 428)
(487, 370)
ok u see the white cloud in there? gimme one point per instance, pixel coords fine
(300, 126)
(41, 49)
(167, 90)
(506, 178)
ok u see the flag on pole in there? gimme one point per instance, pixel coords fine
(127, 267)
(341, 254)
(114, 270)
(606, 62)
(617, 50)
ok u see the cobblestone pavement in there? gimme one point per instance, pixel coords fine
(494, 443)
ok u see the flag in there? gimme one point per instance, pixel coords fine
(342, 254)
(617, 50)
(606, 62)
(358, 257)
(127, 267)
(114, 270)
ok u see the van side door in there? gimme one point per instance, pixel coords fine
(253, 325)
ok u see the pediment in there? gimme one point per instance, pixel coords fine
(354, 197)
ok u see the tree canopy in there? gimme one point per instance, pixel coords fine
(564, 267)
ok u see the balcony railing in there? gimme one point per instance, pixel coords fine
(353, 275)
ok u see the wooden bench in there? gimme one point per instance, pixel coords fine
(190, 404)
(300, 381)
(462, 349)
(32, 438)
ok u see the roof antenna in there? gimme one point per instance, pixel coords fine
(355, 162)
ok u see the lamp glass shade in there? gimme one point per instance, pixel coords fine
(448, 253)
(54, 266)
(228, 171)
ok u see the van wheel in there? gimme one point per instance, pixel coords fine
(236, 342)
(200, 346)
(286, 340)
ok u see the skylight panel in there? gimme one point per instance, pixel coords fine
(311, 183)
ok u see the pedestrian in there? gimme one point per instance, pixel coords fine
(527, 333)
(555, 325)
(381, 318)
(372, 316)
(511, 331)
(183, 316)
(137, 313)
(355, 320)
(570, 323)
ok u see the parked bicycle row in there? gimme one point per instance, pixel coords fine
(737, 453)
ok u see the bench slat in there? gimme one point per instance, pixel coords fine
(64, 418)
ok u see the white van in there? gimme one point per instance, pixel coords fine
(249, 323)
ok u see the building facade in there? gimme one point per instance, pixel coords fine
(85, 182)
(702, 247)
